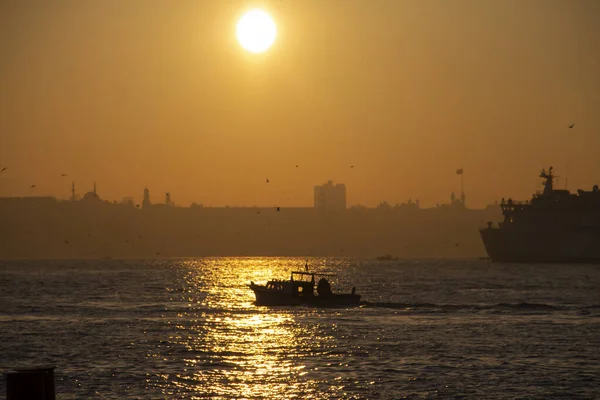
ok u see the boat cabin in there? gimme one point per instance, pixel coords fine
(300, 284)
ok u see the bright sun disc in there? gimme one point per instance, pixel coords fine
(256, 31)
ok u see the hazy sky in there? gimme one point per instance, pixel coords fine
(159, 93)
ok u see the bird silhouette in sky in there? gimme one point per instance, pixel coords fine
(267, 180)
(63, 175)
(3, 169)
(571, 126)
(296, 166)
(352, 166)
(32, 186)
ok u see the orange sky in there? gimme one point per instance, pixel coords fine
(157, 93)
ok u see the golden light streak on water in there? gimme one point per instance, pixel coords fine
(232, 347)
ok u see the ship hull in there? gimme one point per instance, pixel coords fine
(542, 246)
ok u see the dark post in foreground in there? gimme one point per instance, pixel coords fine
(30, 384)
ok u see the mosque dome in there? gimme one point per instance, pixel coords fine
(90, 196)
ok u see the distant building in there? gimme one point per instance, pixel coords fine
(127, 201)
(168, 199)
(384, 206)
(410, 205)
(146, 202)
(455, 203)
(91, 197)
(330, 196)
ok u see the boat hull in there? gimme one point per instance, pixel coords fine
(266, 297)
(542, 246)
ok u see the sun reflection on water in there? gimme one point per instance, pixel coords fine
(230, 348)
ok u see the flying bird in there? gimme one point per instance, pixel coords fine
(571, 126)
(63, 175)
(3, 169)
(296, 166)
(267, 180)
(352, 166)
(32, 186)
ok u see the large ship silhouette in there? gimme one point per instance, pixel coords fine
(554, 226)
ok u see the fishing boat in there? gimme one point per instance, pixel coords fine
(300, 290)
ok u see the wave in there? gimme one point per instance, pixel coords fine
(469, 307)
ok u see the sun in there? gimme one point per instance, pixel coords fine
(256, 31)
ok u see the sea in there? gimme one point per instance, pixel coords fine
(188, 329)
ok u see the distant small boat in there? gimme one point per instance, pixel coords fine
(300, 290)
(387, 257)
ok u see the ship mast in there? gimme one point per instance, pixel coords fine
(548, 181)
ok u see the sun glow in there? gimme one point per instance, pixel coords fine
(256, 31)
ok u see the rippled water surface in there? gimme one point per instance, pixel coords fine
(188, 329)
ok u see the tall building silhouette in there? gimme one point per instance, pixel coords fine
(146, 202)
(330, 197)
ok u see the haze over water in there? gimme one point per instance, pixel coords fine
(171, 328)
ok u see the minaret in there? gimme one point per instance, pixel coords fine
(168, 199)
(73, 191)
(95, 193)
